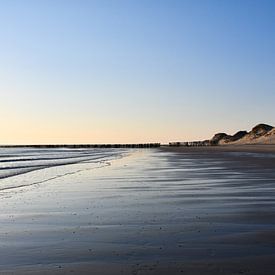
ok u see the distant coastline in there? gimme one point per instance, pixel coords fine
(261, 134)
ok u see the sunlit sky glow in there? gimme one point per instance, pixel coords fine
(134, 71)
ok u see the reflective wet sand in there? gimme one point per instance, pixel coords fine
(156, 211)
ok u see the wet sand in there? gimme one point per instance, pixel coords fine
(158, 211)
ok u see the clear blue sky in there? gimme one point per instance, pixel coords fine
(134, 71)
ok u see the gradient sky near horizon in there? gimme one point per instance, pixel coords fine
(134, 71)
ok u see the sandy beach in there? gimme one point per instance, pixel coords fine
(137, 137)
(205, 210)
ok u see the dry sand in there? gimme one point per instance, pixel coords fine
(159, 211)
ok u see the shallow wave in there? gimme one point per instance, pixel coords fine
(15, 162)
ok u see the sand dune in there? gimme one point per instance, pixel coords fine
(260, 134)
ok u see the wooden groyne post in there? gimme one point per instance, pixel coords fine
(133, 145)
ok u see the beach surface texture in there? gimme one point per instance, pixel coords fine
(182, 210)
